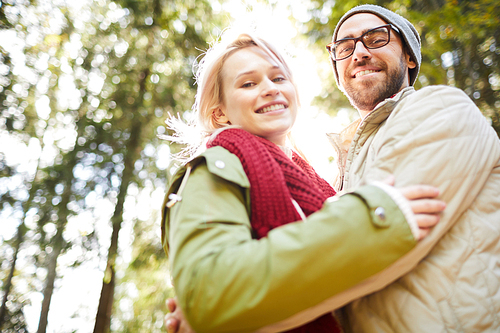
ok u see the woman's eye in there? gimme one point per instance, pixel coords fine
(247, 85)
(279, 79)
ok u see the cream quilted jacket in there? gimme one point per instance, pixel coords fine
(451, 281)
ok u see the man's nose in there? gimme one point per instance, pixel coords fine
(360, 52)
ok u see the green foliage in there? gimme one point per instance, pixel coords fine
(146, 284)
(460, 48)
(15, 321)
(100, 81)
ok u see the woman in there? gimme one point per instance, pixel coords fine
(242, 257)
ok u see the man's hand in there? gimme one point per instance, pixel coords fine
(424, 205)
(174, 321)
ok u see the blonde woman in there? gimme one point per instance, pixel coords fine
(254, 243)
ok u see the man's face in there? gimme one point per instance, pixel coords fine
(369, 76)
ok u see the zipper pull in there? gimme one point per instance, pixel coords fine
(175, 198)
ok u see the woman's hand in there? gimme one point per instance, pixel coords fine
(174, 321)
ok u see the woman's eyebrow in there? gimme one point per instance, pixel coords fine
(253, 71)
(244, 73)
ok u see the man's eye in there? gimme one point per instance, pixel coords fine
(376, 38)
(377, 41)
(344, 49)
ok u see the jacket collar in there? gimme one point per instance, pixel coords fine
(383, 110)
(379, 114)
(341, 141)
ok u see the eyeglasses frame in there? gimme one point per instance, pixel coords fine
(330, 46)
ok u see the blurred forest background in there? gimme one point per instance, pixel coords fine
(85, 88)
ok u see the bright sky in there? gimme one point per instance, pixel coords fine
(312, 123)
(77, 292)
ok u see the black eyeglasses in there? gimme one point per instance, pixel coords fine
(372, 39)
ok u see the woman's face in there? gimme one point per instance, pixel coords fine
(257, 95)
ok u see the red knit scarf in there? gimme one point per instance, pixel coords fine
(274, 181)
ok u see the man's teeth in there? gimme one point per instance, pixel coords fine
(358, 74)
(271, 108)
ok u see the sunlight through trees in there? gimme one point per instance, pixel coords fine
(85, 88)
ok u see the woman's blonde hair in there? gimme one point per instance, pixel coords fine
(209, 95)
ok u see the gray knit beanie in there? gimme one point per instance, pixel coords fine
(406, 30)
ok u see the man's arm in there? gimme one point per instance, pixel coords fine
(436, 136)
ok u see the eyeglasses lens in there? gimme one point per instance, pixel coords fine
(372, 39)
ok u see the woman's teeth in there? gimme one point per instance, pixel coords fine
(271, 108)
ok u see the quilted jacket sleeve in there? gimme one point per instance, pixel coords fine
(435, 136)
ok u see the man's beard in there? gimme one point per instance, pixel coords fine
(367, 97)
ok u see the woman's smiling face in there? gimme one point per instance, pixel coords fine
(258, 95)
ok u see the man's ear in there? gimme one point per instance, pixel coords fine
(220, 117)
(410, 62)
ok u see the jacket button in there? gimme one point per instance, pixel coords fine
(220, 164)
(380, 213)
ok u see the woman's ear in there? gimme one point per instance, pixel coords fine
(220, 117)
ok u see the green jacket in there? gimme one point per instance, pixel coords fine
(227, 281)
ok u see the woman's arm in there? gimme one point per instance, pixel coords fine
(226, 281)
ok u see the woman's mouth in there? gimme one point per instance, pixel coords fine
(271, 108)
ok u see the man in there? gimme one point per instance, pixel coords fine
(451, 280)
(437, 136)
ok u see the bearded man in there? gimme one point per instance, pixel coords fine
(451, 281)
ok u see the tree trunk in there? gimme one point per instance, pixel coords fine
(49, 281)
(8, 282)
(103, 317)
(21, 231)
(58, 242)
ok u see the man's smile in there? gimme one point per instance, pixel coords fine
(365, 68)
(365, 72)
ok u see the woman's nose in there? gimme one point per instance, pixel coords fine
(270, 88)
